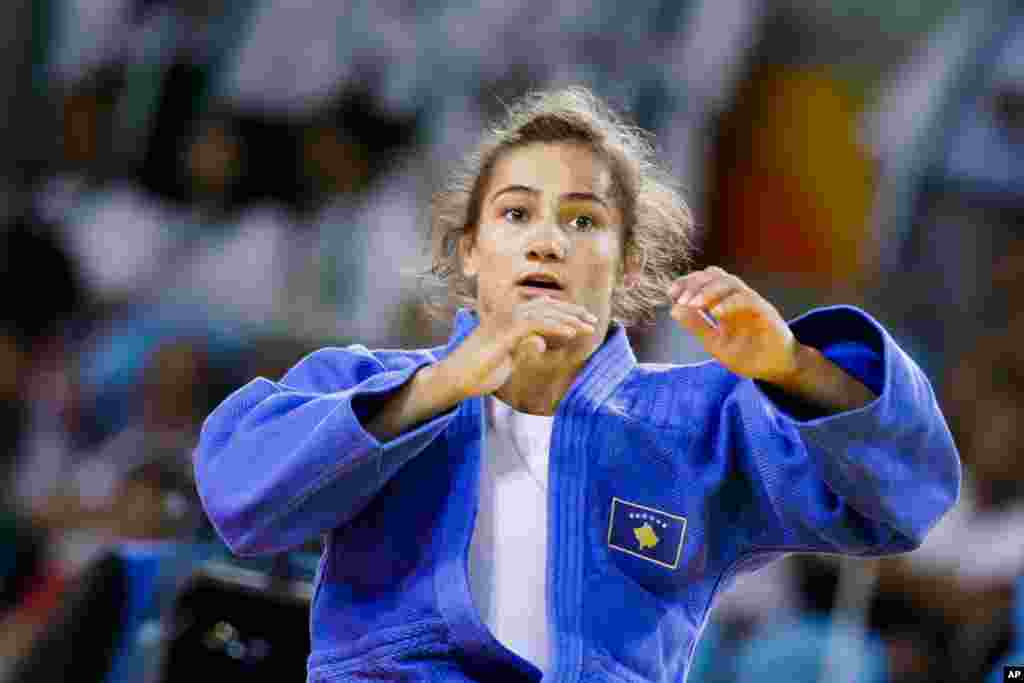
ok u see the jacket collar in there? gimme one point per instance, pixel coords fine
(606, 368)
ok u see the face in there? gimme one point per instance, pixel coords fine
(213, 158)
(548, 209)
(332, 162)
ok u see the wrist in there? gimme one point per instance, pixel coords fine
(792, 378)
(443, 382)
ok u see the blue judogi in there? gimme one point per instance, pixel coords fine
(665, 483)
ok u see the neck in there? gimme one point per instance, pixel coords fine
(539, 383)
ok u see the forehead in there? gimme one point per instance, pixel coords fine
(554, 168)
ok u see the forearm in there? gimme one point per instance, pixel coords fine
(429, 393)
(820, 382)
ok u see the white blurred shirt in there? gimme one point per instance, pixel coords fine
(981, 547)
(508, 554)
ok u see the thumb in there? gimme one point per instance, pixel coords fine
(530, 346)
(534, 344)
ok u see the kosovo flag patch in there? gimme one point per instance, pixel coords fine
(646, 533)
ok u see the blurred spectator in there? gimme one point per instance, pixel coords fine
(137, 484)
(360, 218)
(953, 188)
(84, 158)
(212, 161)
(32, 255)
(33, 259)
(115, 236)
(946, 607)
(177, 54)
(229, 258)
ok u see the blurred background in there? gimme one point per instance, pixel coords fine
(197, 192)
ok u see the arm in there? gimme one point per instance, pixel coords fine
(871, 480)
(429, 393)
(279, 463)
(748, 336)
(819, 382)
(851, 456)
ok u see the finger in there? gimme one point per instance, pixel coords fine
(528, 347)
(565, 318)
(550, 303)
(544, 327)
(694, 320)
(730, 306)
(712, 293)
(551, 314)
(534, 344)
(708, 318)
(676, 288)
(547, 325)
(694, 282)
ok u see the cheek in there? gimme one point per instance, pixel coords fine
(491, 257)
(607, 257)
(487, 248)
(602, 269)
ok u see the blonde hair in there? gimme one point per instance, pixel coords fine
(658, 228)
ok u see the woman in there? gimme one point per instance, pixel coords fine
(652, 486)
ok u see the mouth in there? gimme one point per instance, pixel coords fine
(541, 282)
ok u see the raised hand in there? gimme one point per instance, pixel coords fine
(746, 334)
(735, 324)
(486, 359)
(483, 363)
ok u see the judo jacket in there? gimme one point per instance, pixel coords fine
(666, 482)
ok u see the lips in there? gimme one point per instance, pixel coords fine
(541, 281)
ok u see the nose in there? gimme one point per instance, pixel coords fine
(547, 244)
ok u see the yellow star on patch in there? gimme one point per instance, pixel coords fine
(645, 536)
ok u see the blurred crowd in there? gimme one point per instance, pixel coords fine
(202, 191)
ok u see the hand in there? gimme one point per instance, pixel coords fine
(745, 333)
(486, 359)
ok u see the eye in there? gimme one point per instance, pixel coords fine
(515, 214)
(583, 223)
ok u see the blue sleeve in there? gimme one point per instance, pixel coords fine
(868, 481)
(279, 463)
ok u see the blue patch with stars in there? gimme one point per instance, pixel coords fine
(647, 533)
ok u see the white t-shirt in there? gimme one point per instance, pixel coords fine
(508, 554)
(980, 547)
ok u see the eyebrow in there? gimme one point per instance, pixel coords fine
(575, 196)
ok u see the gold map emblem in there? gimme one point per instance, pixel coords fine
(645, 536)
(648, 533)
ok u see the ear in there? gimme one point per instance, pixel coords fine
(467, 254)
